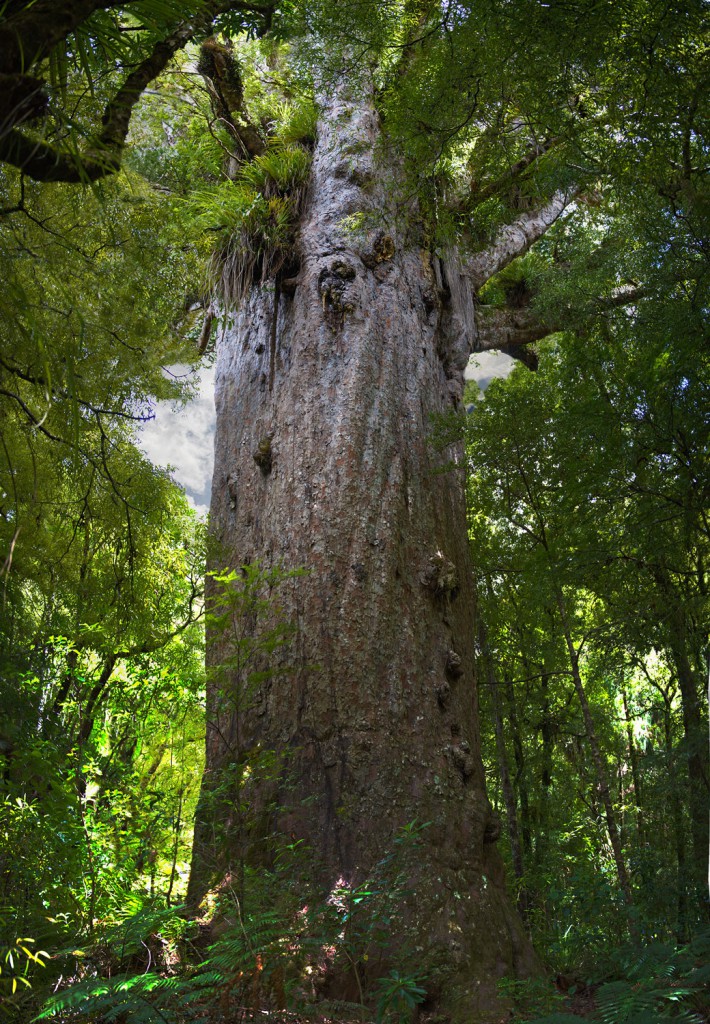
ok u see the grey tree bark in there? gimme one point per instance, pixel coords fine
(379, 714)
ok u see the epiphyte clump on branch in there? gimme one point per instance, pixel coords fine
(218, 64)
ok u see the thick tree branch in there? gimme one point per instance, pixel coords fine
(42, 161)
(41, 381)
(22, 98)
(27, 36)
(89, 709)
(626, 295)
(222, 76)
(501, 184)
(504, 329)
(148, 647)
(515, 239)
(206, 331)
(511, 330)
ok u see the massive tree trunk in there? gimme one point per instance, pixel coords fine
(325, 461)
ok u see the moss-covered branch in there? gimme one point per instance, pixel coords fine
(45, 161)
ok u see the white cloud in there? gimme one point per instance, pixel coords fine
(182, 440)
(484, 366)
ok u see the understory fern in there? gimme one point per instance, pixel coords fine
(275, 944)
(660, 983)
(141, 999)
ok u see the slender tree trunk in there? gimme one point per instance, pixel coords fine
(634, 763)
(511, 809)
(691, 684)
(695, 741)
(600, 770)
(547, 736)
(378, 714)
(176, 848)
(678, 831)
(521, 779)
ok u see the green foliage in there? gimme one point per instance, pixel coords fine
(560, 1018)
(123, 937)
(256, 217)
(143, 998)
(295, 124)
(661, 982)
(398, 996)
(101, 822)
(18, 963)
(239, 598)
(269, 958)
(101, 633)
(645, 984)
(515, 285)
(278, 171)
(531, 997)
(129, 969)
(587, 482)
(99, 62)
(589, 486)
(170, 144)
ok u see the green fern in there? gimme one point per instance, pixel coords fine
(263, 959)
(238, 949)
(142, 999)
(278, 171)
(618, 1000)
(255, 217)
(296, 123)
(224, 208)
(514, 285)
(344, 1010)
(661, 983)
(560, 1018)
(646, 1002)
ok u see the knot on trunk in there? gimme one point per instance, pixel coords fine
(493, 829)
(462, 759)
(443, 693)
(454, 666)
(332, 285)
(440, 576)
(383, 249)
(263, 455)
(232, 492)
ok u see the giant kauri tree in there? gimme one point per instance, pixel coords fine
(449, 139)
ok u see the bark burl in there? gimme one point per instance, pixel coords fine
(379, 715)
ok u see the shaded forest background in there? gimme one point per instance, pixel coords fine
(588, 485)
